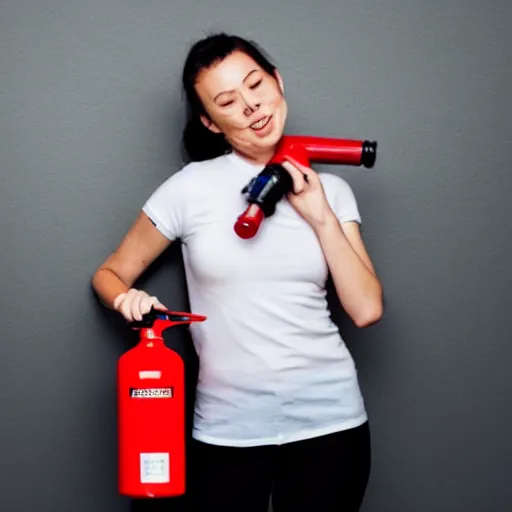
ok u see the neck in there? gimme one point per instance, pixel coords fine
(255, 158)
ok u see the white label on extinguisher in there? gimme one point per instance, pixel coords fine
(154, 468)
(150, 374)
(151, 392)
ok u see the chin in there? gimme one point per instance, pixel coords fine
(270, 141)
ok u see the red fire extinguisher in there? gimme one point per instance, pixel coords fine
(273, 182)
(151, 411)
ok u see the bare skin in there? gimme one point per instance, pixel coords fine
(236, 93)
(247, 105)
(117, 275)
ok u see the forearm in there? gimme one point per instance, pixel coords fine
(108, 286)
(358, 288)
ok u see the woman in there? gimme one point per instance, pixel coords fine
(278, 409)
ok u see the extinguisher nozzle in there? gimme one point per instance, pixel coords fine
(185, 317)
(170, 317)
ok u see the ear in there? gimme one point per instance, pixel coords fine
(210, 124)
(279, 79)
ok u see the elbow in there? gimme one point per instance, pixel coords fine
(371, 314)
(369, 317)
(98, 281)
(92, 281)
(95, 278)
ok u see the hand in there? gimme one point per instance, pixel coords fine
(308, 196)
(135, 303)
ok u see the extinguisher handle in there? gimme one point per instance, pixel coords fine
(172, 317)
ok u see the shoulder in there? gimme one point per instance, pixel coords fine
(335, 186)
(341, 197)
(204, 167)
(193, 172)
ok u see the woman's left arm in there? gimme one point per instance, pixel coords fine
(357, 286)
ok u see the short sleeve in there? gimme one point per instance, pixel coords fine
(341, 198)
(165, 206)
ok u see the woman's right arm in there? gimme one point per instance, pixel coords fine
(114, 279)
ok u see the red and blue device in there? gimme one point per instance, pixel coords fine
(266, 189)
(151, 410)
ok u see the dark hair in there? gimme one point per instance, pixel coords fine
(199, 142)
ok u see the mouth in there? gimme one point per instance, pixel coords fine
(260, 123)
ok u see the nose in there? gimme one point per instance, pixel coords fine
(251, 105)
(249, 109)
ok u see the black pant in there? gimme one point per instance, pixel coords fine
(327, 474)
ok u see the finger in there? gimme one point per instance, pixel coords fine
(145, 304)
(136, 305)
(301, 167)
(118, 300)
(310, 175)
(158, 305)
(141, 309)
(149, 302)
(126, 306)
(124, 309)
(299, 182)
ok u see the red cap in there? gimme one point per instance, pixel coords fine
(248, 223)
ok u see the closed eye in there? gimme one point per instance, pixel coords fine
(226, 104)
(255, 85)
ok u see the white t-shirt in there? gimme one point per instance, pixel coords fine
(273, 367)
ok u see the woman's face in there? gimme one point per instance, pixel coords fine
(245, 103)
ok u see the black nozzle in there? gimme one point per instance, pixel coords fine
(268, 187)
(369, 153)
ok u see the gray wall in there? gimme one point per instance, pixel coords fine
(91, 117)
